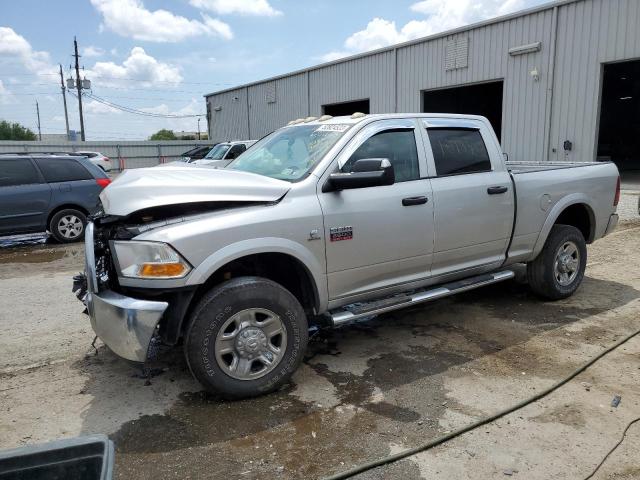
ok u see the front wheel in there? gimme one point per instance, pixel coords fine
(246, 337)
(558, 270)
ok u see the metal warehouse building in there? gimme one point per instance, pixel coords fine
(558, 82)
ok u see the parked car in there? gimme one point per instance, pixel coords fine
(98, 159)
(48, 192)
(327, 222)
(221, 155)
(196, 153)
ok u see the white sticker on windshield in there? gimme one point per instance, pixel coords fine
(335, 127)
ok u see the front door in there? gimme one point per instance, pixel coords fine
(380, 237)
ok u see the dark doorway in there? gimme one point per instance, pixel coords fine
(346, 108)
(482, 99)
(619, 136)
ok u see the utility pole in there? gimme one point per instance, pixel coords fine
(199, 128)
(64, 100)
(79, 87)
(38, 114)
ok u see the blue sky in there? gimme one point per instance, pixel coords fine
(161, 56)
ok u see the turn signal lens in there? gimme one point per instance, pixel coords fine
(163, 270)
(140, 259)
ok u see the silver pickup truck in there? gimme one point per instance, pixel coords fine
(324, 222)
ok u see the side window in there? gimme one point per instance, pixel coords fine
(458, 151)
(62, 170)
(17, 171)
(398, 146)
(235, 151)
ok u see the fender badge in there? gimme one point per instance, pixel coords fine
(338, 234)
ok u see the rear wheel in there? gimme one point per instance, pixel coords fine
(558, 270)
(68, 225)
(246, 337)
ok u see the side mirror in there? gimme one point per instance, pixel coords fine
(366, 172)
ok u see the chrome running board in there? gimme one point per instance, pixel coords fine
(356, 311)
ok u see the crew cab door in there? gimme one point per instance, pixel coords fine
(472, 195)
(24, 196)
(373, 240)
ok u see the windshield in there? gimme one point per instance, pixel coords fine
(290, 153)
(217, 152)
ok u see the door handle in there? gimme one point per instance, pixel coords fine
(407, 202)
(496, 190)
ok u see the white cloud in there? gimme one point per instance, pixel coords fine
(139, 66)
(92, 51)
(16, 47)
(98, 108)
(129, 18)
(441, 15)
(242, 7)
(5, 94)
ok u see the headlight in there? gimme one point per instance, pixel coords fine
(149, 260)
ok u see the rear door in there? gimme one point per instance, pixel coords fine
(472, 194)
(379, 237)
(24, 196)
(71, 182)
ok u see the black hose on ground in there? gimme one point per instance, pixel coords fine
(439, 441)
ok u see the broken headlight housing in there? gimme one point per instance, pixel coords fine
(137, 259)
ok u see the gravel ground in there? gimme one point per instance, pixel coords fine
(363, 391)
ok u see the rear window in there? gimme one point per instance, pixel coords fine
(458, 151)
(62, 170)
(17, 171)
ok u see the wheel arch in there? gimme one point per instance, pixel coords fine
(575, 210)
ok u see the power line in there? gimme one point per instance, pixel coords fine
(136, 111)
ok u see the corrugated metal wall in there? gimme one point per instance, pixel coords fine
(229, 116)
(290, 95)
(538, 115)
(590, 33)
(369, 77)
(123, 154)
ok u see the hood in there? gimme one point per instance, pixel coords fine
(143, 188)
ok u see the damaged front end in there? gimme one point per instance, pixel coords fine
(125, 324)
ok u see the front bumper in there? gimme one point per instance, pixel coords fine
(613, 223)
(126, 325)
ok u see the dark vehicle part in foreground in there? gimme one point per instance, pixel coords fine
(82, 458)
(48, 192)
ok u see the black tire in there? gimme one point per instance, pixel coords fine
(66, 235)
(216, 308)
(540, 272)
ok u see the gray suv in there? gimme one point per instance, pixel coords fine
(48, 192)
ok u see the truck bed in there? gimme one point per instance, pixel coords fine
(526, 167)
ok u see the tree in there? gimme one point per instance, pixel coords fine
(163, 134)
(15, 131)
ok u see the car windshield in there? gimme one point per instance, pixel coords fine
(217, 152)
(290, 153)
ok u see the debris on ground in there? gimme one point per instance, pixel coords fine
(616, 401)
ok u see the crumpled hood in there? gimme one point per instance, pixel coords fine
(143, 188)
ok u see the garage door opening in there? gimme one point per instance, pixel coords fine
(619, 136)
(346, 108)
(481, 99)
